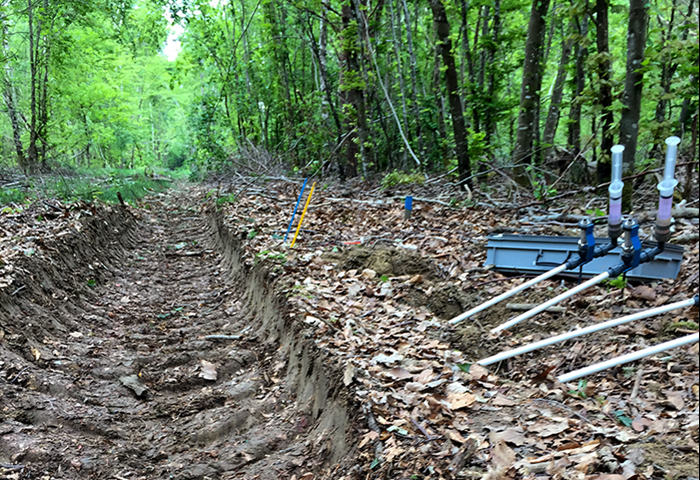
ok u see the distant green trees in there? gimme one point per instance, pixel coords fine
(350, 87)
(85, 84)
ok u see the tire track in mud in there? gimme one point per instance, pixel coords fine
(69, 405)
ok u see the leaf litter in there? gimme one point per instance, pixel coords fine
(428, 410)
(381, 307)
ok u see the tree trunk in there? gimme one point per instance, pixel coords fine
(685, 107)
(414, 82)
(550, 126)
(352, 90)
(574, 134)
(529, 92)
(604, 165)
(632, 96)
(668, 70)
(445, 44)
(10, 98)
(491, 112)
(399, 69)
(32, 150)
(688, 186)
(441, 139)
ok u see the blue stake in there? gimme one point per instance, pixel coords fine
(295, 209)
(408, 206)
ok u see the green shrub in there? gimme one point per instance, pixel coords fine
(400, 178)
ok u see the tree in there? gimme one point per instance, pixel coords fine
(444, 47)
(632, 96)
(552, 121)
(604, 166)
(530, 91)
(579, 83)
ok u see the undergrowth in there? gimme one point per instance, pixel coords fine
(103, 185)
(400, 178)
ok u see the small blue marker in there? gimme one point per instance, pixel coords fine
(295, 209)
(408, 206)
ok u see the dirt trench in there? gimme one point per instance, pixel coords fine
(109, 369)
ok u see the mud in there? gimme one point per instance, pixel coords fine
(391, 262)
(107, 371)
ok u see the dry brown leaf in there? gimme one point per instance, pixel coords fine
(502, 458)
(502, 401)
(510, 435)
(644, 292)
(461, 400)
(368, 437)
(478, 372)
(415, 279)
(606, 476)
(587, 462)
(676, 401)
(208, 371)
(424, 377)
(546, 429)
(398, 373)
(456, 436)
(348, 375)
(36, 354)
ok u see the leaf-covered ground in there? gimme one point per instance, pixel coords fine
(377, 291)
(185, 339)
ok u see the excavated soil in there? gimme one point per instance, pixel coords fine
(391, 262)
(108, 369)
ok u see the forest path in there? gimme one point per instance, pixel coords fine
(135, 389)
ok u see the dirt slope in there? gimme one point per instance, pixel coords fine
(108, 370)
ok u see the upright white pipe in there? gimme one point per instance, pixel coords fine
(615, 189)
(509, 293)
(630, 357)
(584, 331)
(666, 186)
(544, 306)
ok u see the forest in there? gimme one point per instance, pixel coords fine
(453, 296)
(350, 88)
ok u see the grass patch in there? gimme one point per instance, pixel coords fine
(132, 188)
(687, 325)
(99, 184)
(400, 178)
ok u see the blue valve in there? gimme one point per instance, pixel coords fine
(632, 249)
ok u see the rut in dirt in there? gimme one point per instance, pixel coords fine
(161, 372)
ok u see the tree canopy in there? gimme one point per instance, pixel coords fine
(347, 87)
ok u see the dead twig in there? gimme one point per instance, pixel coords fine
(637, 383)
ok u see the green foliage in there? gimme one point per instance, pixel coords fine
(250, 76)
(230, 198)
(596, 212)
(132, 186)
(580, 390)
(619, 282)
(686, 325)
(399, 178)
(541, 190)
(621, 417)
(275, 256)
(13, 195)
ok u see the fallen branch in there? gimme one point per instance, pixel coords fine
(591, 189)
(524, 307)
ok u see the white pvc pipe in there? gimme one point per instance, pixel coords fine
(584, 331)
(630, 357)
(544, 306)
(509, 293)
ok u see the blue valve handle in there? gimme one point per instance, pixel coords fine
(637, 246)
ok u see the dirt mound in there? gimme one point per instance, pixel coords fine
(391, 262)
